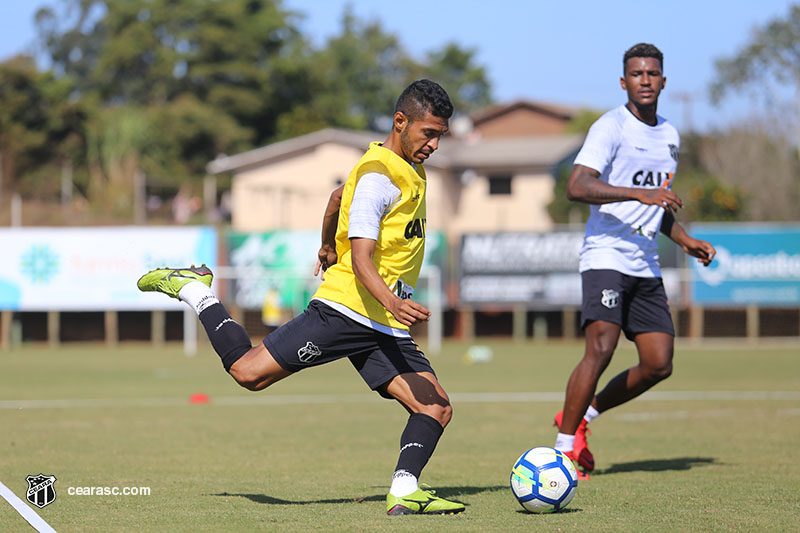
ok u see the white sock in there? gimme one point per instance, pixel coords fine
(564, 442)
(197, 295)
(403, 483)
(591, 414)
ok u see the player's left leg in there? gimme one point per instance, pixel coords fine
(422, 395)
(655, 364)
(602, 312)
(648, 322)
(252, 367)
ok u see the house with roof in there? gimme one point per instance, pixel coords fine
(493, 173)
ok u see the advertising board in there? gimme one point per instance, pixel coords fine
(755, 264)
(537, 269)
(94, 269)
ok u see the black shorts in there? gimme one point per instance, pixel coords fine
(321, 334)
(638, 305)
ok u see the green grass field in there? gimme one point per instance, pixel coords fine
(714, 450)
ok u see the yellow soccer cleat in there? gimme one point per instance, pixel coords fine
(171, 280)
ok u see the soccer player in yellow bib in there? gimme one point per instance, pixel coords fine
(373, 242)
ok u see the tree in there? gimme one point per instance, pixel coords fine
(454, 68)
(705, 197)
(762, 166)
(353, 80)
(40, 127)
(168, 85)
(759, 157)
(226, 55)
(773, 54)
(560, 208)
(582, 121)
(117, 139)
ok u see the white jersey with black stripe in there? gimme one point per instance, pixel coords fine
(622, 236)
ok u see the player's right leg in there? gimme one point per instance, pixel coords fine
(252, 367)
(602, 308)
(423, 396)
(580, 453)
(601, 341)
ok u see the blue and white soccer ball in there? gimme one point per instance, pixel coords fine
(544, 480)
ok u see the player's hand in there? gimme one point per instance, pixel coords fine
(326, 258)
(702, 250)
(660, 197)
(408, 312)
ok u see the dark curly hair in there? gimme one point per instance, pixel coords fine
(422, 96)
(642, 50)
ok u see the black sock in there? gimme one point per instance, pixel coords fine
(417, 443)
(229, 339)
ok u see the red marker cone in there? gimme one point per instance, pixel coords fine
(198, 398)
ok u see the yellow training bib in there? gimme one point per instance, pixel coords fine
(401, 240)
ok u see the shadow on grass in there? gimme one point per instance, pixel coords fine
(566, 510)
(450, 493)
(657, 465)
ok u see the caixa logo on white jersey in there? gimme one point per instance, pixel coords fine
(609, 298)
(645, 178)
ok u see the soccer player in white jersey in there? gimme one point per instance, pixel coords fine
(625, 171)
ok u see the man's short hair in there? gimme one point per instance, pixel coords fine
(424, 96)
(642, 50)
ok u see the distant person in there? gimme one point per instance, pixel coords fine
(271, 312)
(363, 308)
(625, 171)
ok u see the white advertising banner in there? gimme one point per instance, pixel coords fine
(539, 270)
(95, 269)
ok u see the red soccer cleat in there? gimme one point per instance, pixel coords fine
(580, 447)
(582, 476)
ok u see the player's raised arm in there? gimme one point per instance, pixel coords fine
(326, 257)
(585, 186)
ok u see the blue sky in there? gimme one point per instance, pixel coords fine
(561, 52)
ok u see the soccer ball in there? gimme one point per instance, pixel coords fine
(544, 480)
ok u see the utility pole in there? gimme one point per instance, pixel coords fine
(139, 198)
(686, 99)
(66, 187)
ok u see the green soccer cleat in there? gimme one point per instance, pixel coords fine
(422, 501)
(171, 280)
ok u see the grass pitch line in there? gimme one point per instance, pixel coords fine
(25, 511)
(456, 397)
(649, 416)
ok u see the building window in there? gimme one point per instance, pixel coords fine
(499, 185)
